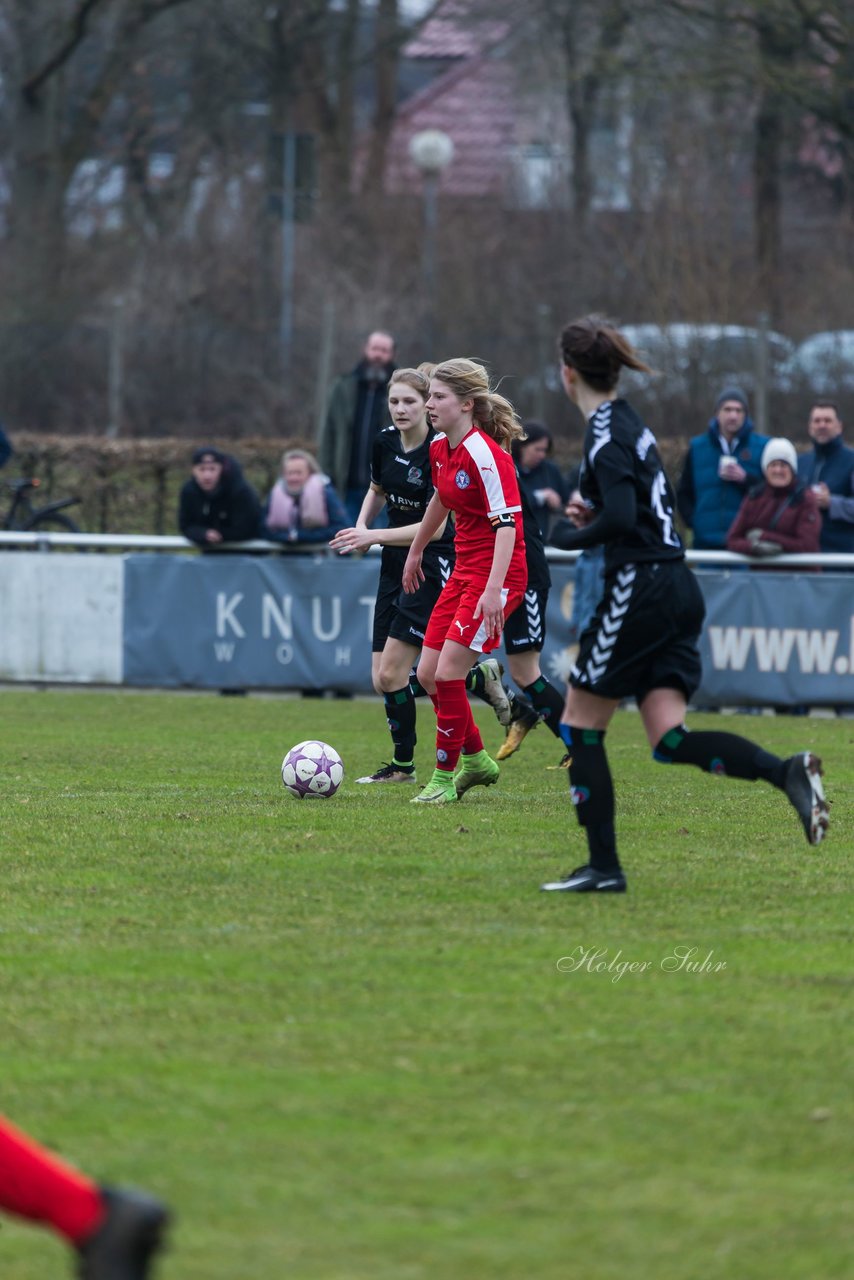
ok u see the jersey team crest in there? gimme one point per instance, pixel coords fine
(462, 479)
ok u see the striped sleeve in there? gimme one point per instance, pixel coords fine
(499, 499)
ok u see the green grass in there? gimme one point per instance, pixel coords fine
(334, 1035)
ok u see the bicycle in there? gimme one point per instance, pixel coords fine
(23, 517)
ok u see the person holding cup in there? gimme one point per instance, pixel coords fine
(721, 466)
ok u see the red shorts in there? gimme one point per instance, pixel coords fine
(453, 615)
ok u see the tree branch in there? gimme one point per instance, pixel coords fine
(79, 23)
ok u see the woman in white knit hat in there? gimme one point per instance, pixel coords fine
(781, 514)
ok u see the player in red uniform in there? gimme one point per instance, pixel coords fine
(475, 477)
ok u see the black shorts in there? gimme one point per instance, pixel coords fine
(525, 629)
(644, 634)
(405, 617)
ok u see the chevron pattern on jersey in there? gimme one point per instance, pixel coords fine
(601, 424)
(444, 568)
(612, 621)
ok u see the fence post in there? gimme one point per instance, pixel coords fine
(762, 375)
(324, 364)
(115, 367)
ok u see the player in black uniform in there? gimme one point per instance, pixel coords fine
(400, 481)
(642, 640)
(524, 637)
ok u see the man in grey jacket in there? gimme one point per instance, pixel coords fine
(357, 410)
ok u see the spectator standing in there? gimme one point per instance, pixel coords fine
(303, 505)
(356, 411)
(5, 448)
(546, 489)
(216, 504)
(828, 468)
(779, 515)
(720, 467)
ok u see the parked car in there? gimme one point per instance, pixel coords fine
(824, 363)
(691, 364)
(696, 360)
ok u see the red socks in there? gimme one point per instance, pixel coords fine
(37, 1185)
(456, 729)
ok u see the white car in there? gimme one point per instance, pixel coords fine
(698, 360)
(825, 362)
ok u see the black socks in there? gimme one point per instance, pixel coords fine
(592, 793)
(400, 717)
(722, 753)
(547, 702)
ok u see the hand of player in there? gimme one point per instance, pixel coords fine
(353, 539)
(413, 574)
(491, 609)
(578, 512)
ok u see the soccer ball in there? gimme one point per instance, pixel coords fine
(312, 768)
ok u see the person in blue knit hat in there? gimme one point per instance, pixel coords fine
(721, 466)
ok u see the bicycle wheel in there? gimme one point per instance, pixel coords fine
(54, 522)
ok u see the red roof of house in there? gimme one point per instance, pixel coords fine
(473, 102)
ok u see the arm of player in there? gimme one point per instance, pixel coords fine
(434, 517)
(490, 604)
(360, 537)
(618, 515)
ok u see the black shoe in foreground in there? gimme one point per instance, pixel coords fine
(125, 1243)
(588, 880)
(391, 773)
(804, 789)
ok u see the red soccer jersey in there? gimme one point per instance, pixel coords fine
(476, 481)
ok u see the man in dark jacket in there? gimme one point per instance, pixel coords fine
(217, 505)
(828, 469)
(357, 410)
(721, 465)
(5, 448)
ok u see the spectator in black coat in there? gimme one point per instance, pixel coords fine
(217, 505)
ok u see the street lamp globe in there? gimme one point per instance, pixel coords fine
(431, 150)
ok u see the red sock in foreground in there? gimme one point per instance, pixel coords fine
(116, 1233)
(456, 731)
(37, 1185)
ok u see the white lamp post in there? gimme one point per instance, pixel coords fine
(431, 151)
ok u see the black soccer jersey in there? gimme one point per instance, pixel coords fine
(408, 487)
(619, 446)
(539, 578)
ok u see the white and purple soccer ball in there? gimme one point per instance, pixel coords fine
(312, 769)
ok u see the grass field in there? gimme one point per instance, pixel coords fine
(343, 1039)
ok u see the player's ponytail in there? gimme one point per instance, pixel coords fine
(597, 350)
(492, 413)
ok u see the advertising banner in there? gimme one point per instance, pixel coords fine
(249, 621)
(305, 621)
